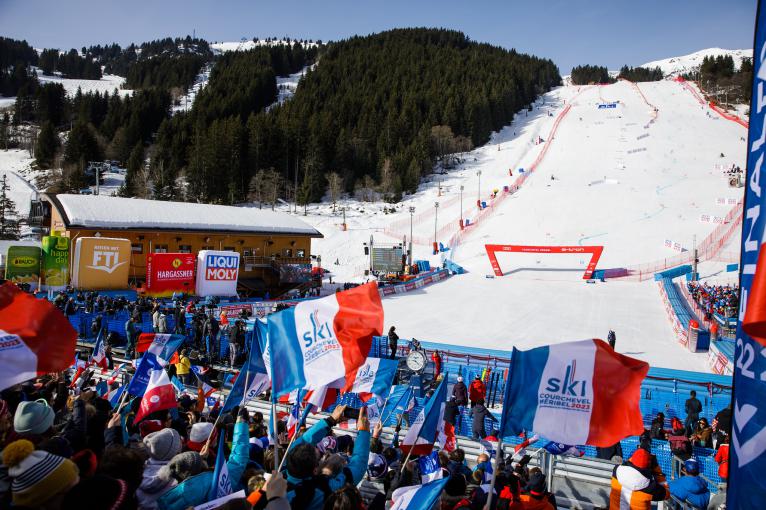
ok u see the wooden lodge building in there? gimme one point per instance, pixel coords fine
(265, 239)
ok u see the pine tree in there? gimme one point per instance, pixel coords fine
(133, 173)
(46, 146)
(9, 224)
(81, 145)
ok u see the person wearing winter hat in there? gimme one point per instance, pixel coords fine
(634, 483)
(146, 427)
(163, 445)
(460, 392)
(198, 436)
(40, 479)
(376, 466)
(690, 488)
(185, 465)
(535, 497)
(34, 418)
(100, 492)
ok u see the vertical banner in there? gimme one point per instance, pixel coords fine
(747, 483)
(22, 265)
(101, 263)
(169, 273)
(55, 262)
(217, 273)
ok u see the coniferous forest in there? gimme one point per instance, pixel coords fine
(371, 113)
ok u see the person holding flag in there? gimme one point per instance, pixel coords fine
(197, 490)
(423, 432)
(307, 489)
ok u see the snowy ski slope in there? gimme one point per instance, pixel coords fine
(620, 181)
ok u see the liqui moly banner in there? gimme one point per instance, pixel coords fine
(217, 273)
(747, 463)
(169, 273)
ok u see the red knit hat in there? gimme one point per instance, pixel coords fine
(641, 459)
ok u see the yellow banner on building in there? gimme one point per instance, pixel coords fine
(101, 263)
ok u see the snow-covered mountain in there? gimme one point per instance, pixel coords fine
(679, 65)
(249, 44)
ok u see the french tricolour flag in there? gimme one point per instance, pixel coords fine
(160, 394)
(423, 432)
(160, 344)
(418, 496)
(574, 393)
(294, 420)
(35, 337)
(99, 352)
(374, 377)
(322, 340)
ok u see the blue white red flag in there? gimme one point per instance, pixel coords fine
(574, 393)
(418, 496)
(162, 345)
(423, 432)
(321, 398)
(160, 394)
(322, 340)
(98, 356)
(221, 484)
(115, 373)
(294, 420)
(35, 337)
(374, 377)
(148, 363)
(253, 374)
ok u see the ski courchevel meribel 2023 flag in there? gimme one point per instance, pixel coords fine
(322, 340)
(35, 337)
(574, 393)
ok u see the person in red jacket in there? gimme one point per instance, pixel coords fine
(437, 359)
(722, 458)
(477, 391)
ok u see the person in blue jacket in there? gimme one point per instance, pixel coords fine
(690, 488)
(195, 490)
(307, 489)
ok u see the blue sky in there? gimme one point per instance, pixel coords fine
(604, 32)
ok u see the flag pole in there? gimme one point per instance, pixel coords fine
(406, 460)
(494, 474)
(273, 423)
(287, 450)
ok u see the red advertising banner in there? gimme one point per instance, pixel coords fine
(167, 273)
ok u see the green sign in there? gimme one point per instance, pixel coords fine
(22, 265)
(55, 262)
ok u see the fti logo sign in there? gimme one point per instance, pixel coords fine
(106, 259)
(221, 267)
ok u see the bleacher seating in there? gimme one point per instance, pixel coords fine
(678, 303)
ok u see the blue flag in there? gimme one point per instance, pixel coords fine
(101, 388)
(747, 463)
(221, 485)
(430, 467)
(253, 374)
(178, 384)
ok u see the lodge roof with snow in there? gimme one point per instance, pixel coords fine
(106, 212)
